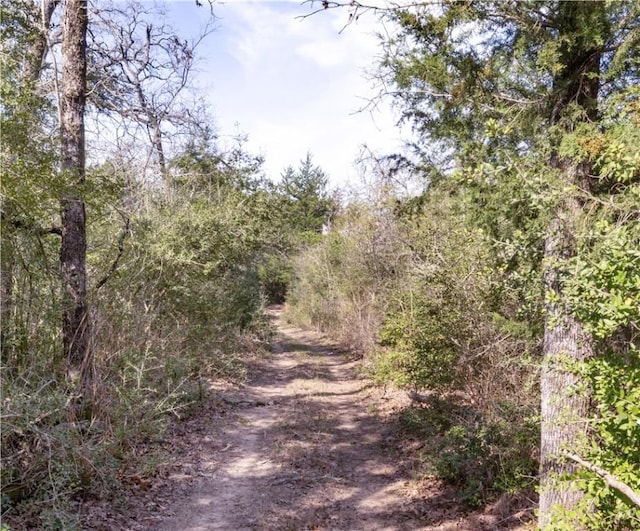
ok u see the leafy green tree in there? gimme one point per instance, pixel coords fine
(29, 190)
(174, 264)
(500, 87)
(296, 210)
(604, 293)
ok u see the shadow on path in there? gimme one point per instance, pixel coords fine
(304, 447)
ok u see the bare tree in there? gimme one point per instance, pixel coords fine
(139, 70)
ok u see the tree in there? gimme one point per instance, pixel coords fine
(140, 69)
(500, 87)
(185, 275)
(307, 201)
(26, 149)
(298, 208)
(76, 332)
(575, 89)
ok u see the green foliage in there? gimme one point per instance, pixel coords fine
(603, 291)
(275, 274)
(187, 289)
(484, 457)
(496, 88)
(205, 252)
(176, 299)
(422, 351)
(441, 292)
(176, 288)
(440, 316)
(305, 200)
(342, 283)
(605, 295)
(615, 383)
(605, 288)
(49, 458)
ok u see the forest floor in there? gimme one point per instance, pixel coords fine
(306, 444)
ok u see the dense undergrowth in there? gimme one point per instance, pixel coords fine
(186, 242)
(175, 312)
(181, 267)
(439, 306)
(408, 283)
(443, 295)
(447, 292)
(516, 267)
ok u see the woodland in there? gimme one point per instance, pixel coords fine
(503, 292)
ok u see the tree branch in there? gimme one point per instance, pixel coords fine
(31, 226)
(114, 265)
(609, 478)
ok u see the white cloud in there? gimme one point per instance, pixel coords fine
(293, 85)
(326, 53)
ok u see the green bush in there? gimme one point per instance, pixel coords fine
(615, 381)
(421, 279)
(483, 458)
(343, 282)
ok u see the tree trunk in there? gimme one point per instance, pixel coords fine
(564, 398)
(75, 313)
(564, 402)
(158, 146)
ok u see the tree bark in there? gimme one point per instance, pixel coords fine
(564, 402)
(564, 398)
(75, 313)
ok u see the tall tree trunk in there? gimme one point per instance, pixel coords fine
(564, 401)
(75, 313)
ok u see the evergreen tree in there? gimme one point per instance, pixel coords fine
(306, 200)
(500, 88)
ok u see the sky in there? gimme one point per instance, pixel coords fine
(292, 85)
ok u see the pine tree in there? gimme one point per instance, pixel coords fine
(305, 192)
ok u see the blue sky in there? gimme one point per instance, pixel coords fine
(292, 85)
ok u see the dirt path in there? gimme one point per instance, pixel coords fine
(306, 445)
(305, 451)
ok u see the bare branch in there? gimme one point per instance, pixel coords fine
(114, 265)
(357, 9)
(609, 478)
(141, 69)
